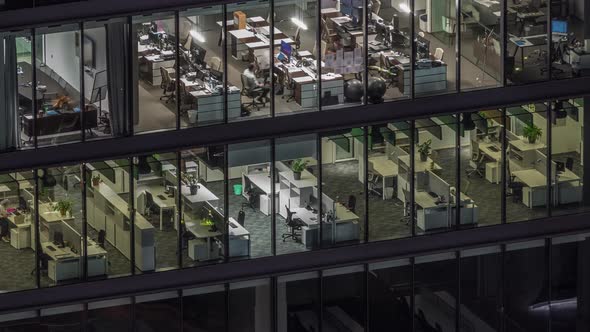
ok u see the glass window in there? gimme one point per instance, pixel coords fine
(569, 277)
(154, 72)
(388, 181)
(298, 302)
(435, 29)
(297, 225)
(481, 287)
(526, 138)
(481, 45)
(109, 315)
(67, 318)
(106, 50)
(155, 179)
(390, 294)
(27, 321)
(204, 309)
(435, 176)
(201, 68)
(343, 57)
(526, 287)
(567, 145)
(390, 48)
(344, 299)
(203, 211)
(17, 231)
(436, 292)
(158, 312)
(527, 59)
(248, 59)
(481, 167)
(250, 200)
(342, 180)
(61, 226)
(250, 306)
(58, 88)
(108, 218)
(297, 23)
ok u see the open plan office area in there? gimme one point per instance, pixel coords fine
(208, 66)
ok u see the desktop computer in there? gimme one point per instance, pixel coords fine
(559, 27)
(286, 51)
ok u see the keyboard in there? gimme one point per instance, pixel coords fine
(233, 225)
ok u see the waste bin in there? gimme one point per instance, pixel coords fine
(423, 22)
(237, 189)
(192, 116)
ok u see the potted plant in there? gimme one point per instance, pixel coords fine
(95, 180)
(192, 182)
(424, 150)
(298, 167)
(64, 207)
(532, 133)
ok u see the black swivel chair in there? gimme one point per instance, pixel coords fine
(569, 163)
(252, 93)
(241, 218)
(515, 189)
(253, 194)
(150, 205)
(294, 225)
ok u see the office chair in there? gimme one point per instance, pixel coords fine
(43, 264)
(291, 86)
(253, 194)
(150, 205)
(407, 208)
(515, 189)
(251, 93)
(215, 63)
(102, 235)
(375, 187)
(294, 225)
(187, 101)
(168, 86)
(569, 163)
(439, 54)
(352, 203)
(241, 217)
(476, 165)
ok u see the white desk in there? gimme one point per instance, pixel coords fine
(65, 264)
(494, 152)
(346, 226)
(419, 165)
(203, 195)
(534, 192)
(263, 182)
(386, 168)
(239, 240)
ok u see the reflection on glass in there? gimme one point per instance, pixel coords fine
(526, 58)
(108, 218)
(248, 58)
(203, 227)
(155, 186)
(390, 48)
(57, 89)
(201, 101)
(569, 42)
(567, 145)
(105, 67)
(158, 312)
(204, 309)
(109, 315)
(67, 318)
(17, 230)
(154, 95)
(481, 50)
(298, 302)
(481, 276)
(296, 89)
(388, 181)
(435, 292)
(526, 173)
(342, 181)
(526, 289)
(435, 29)
(343, 57)
(481, 166)
(435, 170)
(251, 303)
(343, 298)
(297, 219)
(250, 201)
(20, 322)
(390, 294)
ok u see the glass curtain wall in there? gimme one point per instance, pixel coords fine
(158, 312)
(201, 69)
(248, 58)
(67, 318)
(298, 302)
(204, 309)
(57, 90)
(110, 315)
(154, 39)
(296, 88)
(481, 45)
(107, 214)
(344, 295)
(250, 306)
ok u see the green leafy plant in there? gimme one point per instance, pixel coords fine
(190, 179)
(424, 149)
(299, 165)
(63, 206)
(95, 180)
(532, 133)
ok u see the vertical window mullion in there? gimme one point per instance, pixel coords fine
(177, 65)
(271, 56)
(84, 221)
(34, 86)
(504, 165)
(365, 162)
(413, 138)
(131, 207)
(458, 21)
(273, 208)
(179, 223)
(225, 65)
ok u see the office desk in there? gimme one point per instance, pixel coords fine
(203, 195)
(150, 68)
(530, 41)
(385, 168)
(534, 192)
(346, 226)
(239, 240)
(251, 38)
(210, 103)
(58, 123)
(494, 152)
(65, 264)
(262, 181)
(419, 165)
(21, 235)
(433, 215)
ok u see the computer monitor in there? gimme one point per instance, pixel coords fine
(198, 54)
(559, 26)
(286, 49)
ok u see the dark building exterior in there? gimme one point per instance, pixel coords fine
(305, 165)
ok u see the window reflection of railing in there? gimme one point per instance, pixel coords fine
(484, 50)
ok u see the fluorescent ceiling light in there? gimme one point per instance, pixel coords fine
(299, 23)
(199, 37)
(404, 7)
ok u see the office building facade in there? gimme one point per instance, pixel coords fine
(347, 165)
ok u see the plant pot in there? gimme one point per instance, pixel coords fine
(95, 182)
(194, 189)
(297, 175)
(423, 156)
(63, 213)
(532, 140)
